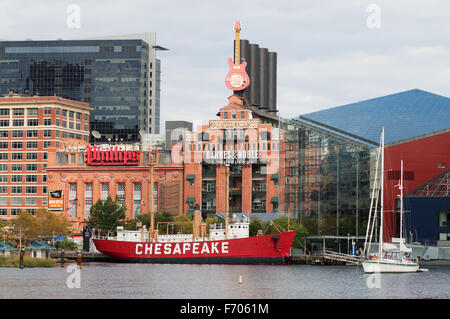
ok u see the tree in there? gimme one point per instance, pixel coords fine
(107, 215)
(278, 225)
(43, 225)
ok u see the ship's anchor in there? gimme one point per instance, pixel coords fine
(275, 238)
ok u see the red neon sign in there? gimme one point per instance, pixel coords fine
(114, 156)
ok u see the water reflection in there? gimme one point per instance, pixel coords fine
(109, 280)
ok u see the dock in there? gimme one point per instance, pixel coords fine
(71, 255)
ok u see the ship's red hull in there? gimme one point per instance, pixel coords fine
(266, 249)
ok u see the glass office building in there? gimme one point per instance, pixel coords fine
(118, 76)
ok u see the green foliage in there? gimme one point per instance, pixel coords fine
(211, 220)
(66, 244)
(107, 215)
(43, 225)
(278, 225)
(255, 225)
(28, 262)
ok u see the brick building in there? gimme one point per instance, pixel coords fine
(29, 127)
(249, 146)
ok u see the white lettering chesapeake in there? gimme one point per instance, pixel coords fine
(157, 249)
(195, 248)
(225, 247)
(148, 249)
(138, 251)
(214, 248)
(186, 247)
(205, 249)
(177, 249)
(167, 249)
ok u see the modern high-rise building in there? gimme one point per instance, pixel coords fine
(119, 76)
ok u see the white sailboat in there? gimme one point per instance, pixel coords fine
(390, 257)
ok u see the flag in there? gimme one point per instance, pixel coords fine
(73, 201)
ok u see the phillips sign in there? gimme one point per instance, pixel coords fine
(114, 156)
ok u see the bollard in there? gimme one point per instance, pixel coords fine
(240, 280)
(79, 259)
(22, 253)
(62, 258)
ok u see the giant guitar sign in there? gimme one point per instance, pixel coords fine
(237, 78)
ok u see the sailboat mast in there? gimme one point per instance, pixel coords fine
(380, 248)
(401, 201)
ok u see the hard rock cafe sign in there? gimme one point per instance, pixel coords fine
(112, 156)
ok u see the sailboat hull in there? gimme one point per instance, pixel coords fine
(389, 266)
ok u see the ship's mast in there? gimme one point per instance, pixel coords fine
(227, 198)
(380, 242)
(152, 213)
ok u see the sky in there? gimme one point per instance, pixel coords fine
(329, 53)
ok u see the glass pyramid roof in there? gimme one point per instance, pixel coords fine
(404, 115)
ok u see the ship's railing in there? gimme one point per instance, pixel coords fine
(217, 226)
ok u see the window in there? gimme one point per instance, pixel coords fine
(4, 112)
(32, 201)
(30, 167)
(3, 156)
(3, 211)
(47, 111)
(3, 178)
(3, 167)
(104, 191)
(18, 112)
(16, 200)
(64, 112)
(16, 156)
(31, 190)
(32, 111)
(33, 144)
(3, 201)
(16, 167)
(31, 178)
(18, 122)
(16, 145)
(73, 200)
(31, 156)
(32, 122)
(47, 144)
(87, 199)
(4, 122)
(47, 122)
(71, 114)
(17, 133)
(16, 178)
(444, 219)
(48, 133)
(16, 189)
(121, 193)
(4, 134)
(136, 199)
(32, 133)
(4, 145)
(4, 189)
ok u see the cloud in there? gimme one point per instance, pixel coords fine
(327, 56)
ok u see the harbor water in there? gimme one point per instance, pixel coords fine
(172, 281)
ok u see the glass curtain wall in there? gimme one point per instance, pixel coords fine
(333, 181)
